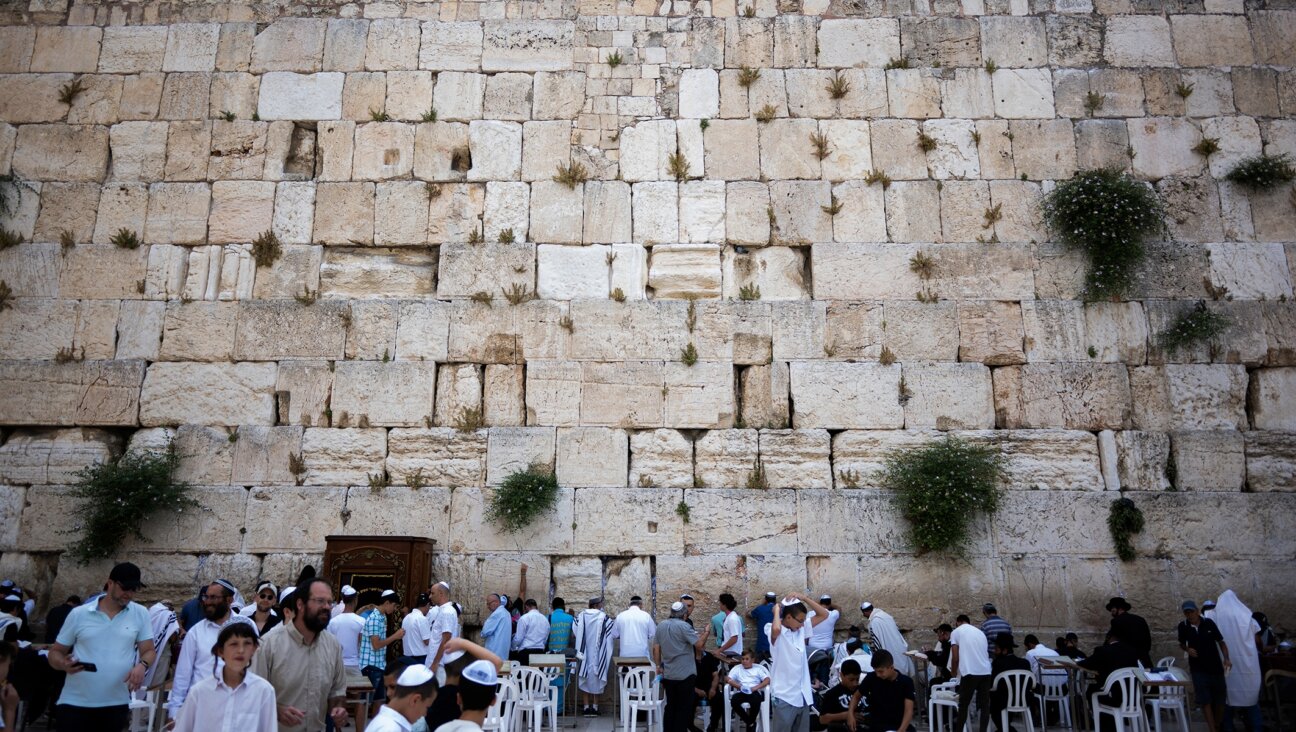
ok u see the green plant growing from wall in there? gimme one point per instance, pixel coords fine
(1124, 519)
(571, 175)
(766, 113)
(1263, 172)
(126, 239)
(71, 90)
(118, 496)
(9, 238)
(1196, 326)
(928, 480)
(1107, 215)
(6, 294)
(689, 356)
(266, 249)
(839, 87)
(523, 497)
(682, 510)
(748, 76)
(615, 59)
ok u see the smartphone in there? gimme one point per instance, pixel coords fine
(89, 667)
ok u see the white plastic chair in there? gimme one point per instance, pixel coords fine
(1131, 706)
(535, 697)
(500, 716)
(943, 700)
(1170, 699)
(641, 693)
(143, 712)
(1166, 662)
(1053, 690)
(762, 715)
(1018, 684)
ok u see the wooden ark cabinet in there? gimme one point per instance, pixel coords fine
(372, 564)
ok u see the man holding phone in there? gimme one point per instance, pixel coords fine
(97, 647)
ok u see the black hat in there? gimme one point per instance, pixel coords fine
(127, 575)
(1005, 640)
(1118, 603)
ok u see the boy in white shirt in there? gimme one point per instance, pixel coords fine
(749, 680)
(416, 688)
(476, 695)
(791, 695)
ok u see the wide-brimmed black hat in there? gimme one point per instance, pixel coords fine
(1118, 603)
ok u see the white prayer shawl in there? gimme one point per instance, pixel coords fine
(1239, 629)
(592, 631)
(165, 625)
(884, 633)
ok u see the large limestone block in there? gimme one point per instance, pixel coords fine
(400, 508)
(441, 456)
(546, 146)
(1189, 396)
(684, 270)
(371, 333)
(240, 210)
(277, 330)
(527, 45)
(699, 94)
(401, 212)
(61, 152)
(1270, 461)
(33, 457)
(451, 46)
(553, 393)
(132, 49)
(990, 333)
(139, 330)
(592, 457)
(948, 396)
(726, 458)
(39, 328)
(466, 269)
(393, 44)
(850, 43)
(1163, 146)
(1272, 399)
(875, 522)
(702, 211)
(646, 149)
(1142, 459)
(198, 331)
(504, 333)
(699, 396)
(1014, 41)
(422, 331)
(1138, 40)
(557, 212)
(289, 44)
(764, 390)
(80, 393)
(504, 395)
(1081, 527)
(344, 213)
(786, 150)
(559, 95)
(955, 155)
(648, 515)
(914, 93)
(261, 455)
(1074, 396)
(1211, 40)
(12, 500)
(777, 272)
(799, 215)
(846, 395)
(796, 458)
(747, 42)
(471, 531)
(1209, 460)
(283, 519)
(962, 271)
(223, 394)
(32, 97)
(177, 213)
(206, 453)
(661, 458)
(56, 48)
(655, 217)
(383, 150)
(609, 212)
(622, 394)
(458, 394)
(730, 152)
(496, 150)
(739, 520)
(506, 207)
(343, 456)
(510, 449)
(572, 272)
(397, 394)
(1217, 525)
(191, 47)
(1250, 270)
(301, 96)
(1023, 94)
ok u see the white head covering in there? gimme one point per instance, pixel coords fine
(415, 675)
(348, 590)
(1239, 629)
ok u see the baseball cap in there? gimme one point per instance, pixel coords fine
(415, 675)
(127, 575)
(482, 673)
(1188, 605)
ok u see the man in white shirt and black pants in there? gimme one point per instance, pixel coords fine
(821, 642)
(532, 633)
(417, 631)
(790, 690)
(970, 664)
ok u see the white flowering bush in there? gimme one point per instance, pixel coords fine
(523, 497)
(119, 495)
(1198, 325)
(940, 487)
(1107, 215)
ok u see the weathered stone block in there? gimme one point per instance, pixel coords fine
(1074, 396)
(1014, 41)
(241, 210)
(383, 150)
(527, 45)
(653, 521)
(1272, 399)
(846, 395)
(1163, 146)
(289, 44)
(470, 530)
(660, 459)
(271, 331)
(991, 333)
(132, 49)
(699, 396)
(32, 457)
(1270, 461)
(740, 520)
(850, 42)
(283, 519)
(225, 394)
(683, 270)
(1138, 40)
(343, 456)
(1189, 396)
(796, 458)
(396, 394)
(440, 457)
(504, 395)
(61, 152)
(948, 396)
(591, 457)
(510, 449)
(81, 393)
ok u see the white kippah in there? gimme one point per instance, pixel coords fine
(866, 606)
(285, 592)
(415, 675)
(442, 583)
(481, 672)
(387, 593)
(348, 590)
(790, 601)
(677, 606)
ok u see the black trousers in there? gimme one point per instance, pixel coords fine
(754, 699)
(968, 686)
(523, 655)
(681, 700)
(83, 719)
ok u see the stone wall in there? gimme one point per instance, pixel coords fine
(390, 320)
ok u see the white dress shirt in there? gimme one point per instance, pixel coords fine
(347, 628)
(748, 678)
(389, 720)
(636, 629)
(1043, 651)
(974, 658)
(444, 620)
(211, 706)
(821, 636)
(417, 633)
(196, 658)
(790, 673)
(532, 631)
(733, 629)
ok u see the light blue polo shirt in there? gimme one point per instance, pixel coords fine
(110, 645)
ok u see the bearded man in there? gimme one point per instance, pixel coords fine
(304, 664)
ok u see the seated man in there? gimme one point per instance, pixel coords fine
(939, 655)
(836, 701)
(1106, 660)
(748, 681)
(1004, 660)
(888, 697)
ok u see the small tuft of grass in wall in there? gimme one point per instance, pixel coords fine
(517, 293)
(475, 236)
(923, 265)
(266, 248)
(430, 115)
(9, 238)
(617, 294)
(1093, 102)
(820, 144)
(689, 356)
(679, 166)
(991, 66)
(1207, 147)
(902, 62)
(839, 87)
(71, 90)
(887, 357)
(69, 355)
(834, 206)
(849, 478)
(749, 292)
(993, 215)
(756, 479)
(926, 142)
(704, 124)
(878, 176)
(468, 419)
(482, 298)
(433, 190)
(125, 239)
(681, 509)
(6, 294)
(297, 466)
(379, 116)
(566, 323)
(766, 113)
(1263, 172)
(506, 236)
(379, 480)
(307, 296)
(228, 116)
(615, 59)
(748, 76)
(416, 480)
(1184, 90)
(67, 240)
(571, 175)
(749, 11)
(461, 159)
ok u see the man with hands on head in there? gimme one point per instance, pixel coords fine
(97, 648)
(790, 692)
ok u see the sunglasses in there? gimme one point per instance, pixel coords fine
(266, 596)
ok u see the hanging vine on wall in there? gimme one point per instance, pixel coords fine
(523, 497)
(1107, 215)
(939, 487)
(1124, 520)
(119, 495)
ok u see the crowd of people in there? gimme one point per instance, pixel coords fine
(286, 660)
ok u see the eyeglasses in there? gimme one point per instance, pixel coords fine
(320, 601)
(266, 596)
